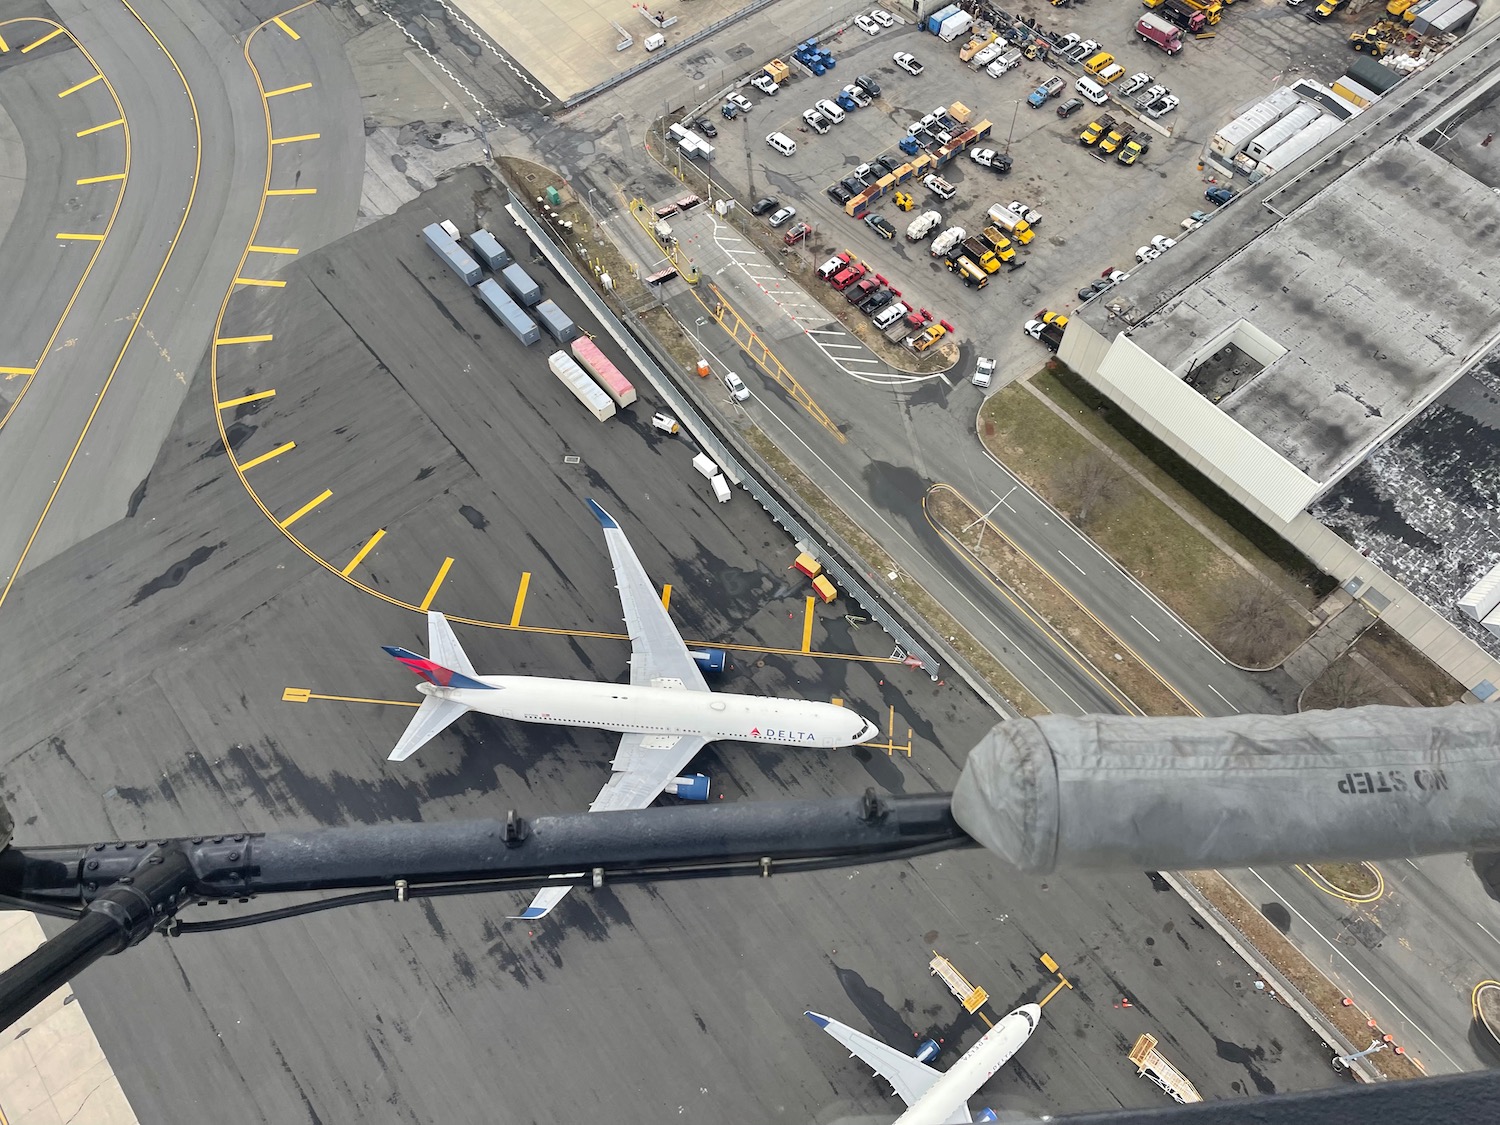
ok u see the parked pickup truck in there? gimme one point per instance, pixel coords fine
(939, 186)
(1046, 91)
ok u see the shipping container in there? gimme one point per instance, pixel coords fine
(452, 254)
(507, 312)
(1426, 14)
(610, 377)
(1482, 597)
(935, 20)
(1321, 95)
(1452, 21)
(494, 256)
(705, 465)
(557, 323)
(584, 389)
(1370, 74)
(1255, 120)
(521, 287)
(1300, 145)
(1351, 90)
(1284, 130)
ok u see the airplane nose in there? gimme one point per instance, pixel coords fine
(868, 731)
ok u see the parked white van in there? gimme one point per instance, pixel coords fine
(830, 110)
(782, 144)
(1091, 90)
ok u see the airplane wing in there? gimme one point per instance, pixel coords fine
(643, 765)
(908, 1077)
(657, 651)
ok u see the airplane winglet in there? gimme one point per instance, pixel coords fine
(606, 520)
(532, 912)
(821, 1021)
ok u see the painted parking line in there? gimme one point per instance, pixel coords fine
(306, 695)
(272, 250)
(13, 372)
(79, 237)
(302, 511)
(80, 86)
(359, 556)
(293, 191)
(286, 447)
(34, 44)
(515, 614)
(256, 397)
(260, 281)
(294, 140)
(264, 337)
(288, 90)
(4, 46)
(99, 179)
(437, 584)
(100, 128)
(286, 27)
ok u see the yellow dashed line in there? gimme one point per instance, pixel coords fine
(291, 140)
(101, 128)
(293, 191)
(286, 27)
(227, 403)
(51, 35)
(261, 339)
(302, 511)
(100, 179)
(260, 281)
(272, 250)
(73, 89)
(436, 585)
(80, 237)
(288, 89)
(264, 457)
(363, 551)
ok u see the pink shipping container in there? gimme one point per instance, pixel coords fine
(606, 373)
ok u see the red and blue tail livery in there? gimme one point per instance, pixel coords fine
(433, 672)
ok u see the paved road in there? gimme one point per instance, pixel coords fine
(156, 706)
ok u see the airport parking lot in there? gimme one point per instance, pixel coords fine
(1095, 213)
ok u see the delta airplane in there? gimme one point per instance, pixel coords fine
(665, 714)
(932, 1097)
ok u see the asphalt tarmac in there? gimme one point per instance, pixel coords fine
(145, 671)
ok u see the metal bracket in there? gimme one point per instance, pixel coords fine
(401, 888)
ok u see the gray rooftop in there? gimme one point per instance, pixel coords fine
(1382, 289)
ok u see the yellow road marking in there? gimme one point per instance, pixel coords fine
(72, 89)
(51, 35)
(302, 511)
(985, 1018)
(259, 281)
(4, 46)
(666, 596)
(286, 27)
(287, 90)
(1316, 878)
(436, 584)
(261, 339)
(79, 237)
(303, 695)
(271, 250)
(264, 457)
(293, 191)
(99, 179)
(515, 614)
(807, 623)
(256, 397)
(1058, 987)
(1048, 963)
(101, 128)
(363, 551)
(12, 372)
(299, 137)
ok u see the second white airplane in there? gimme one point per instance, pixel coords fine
(666, 713)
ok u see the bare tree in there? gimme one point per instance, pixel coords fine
(1255, 623)
(1085, 484)
(1345, 683)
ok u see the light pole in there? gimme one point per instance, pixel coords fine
(1014, 110)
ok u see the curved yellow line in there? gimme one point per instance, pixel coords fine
(1025, 609)
(1317, 880)
(1474, 996)
(98, 246)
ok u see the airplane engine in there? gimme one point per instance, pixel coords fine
(986, 1114)
(927, 1050)
(693, 787)
(711, 661)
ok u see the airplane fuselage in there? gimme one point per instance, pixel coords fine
(663, 710)
(977, 1066)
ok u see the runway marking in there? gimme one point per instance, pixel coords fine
(294, 140)
(261, 339)
(287, 90)
(51, 35)
(79, 237)
(256, 397)
(100, 128)
(271, 250)
(259, 281)
(293, 191)
(286, 27)
(12, 372)
(302, 511)
(359, 556)
(305, 695)
(1487, 933)
(1142, 624)
(99, 179)
(287, 447)
(515, 614)
(1073, 564)
(807, 623)
(1220, 694)
(71, 89)
(437, 584)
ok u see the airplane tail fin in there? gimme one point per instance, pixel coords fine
(448, 666)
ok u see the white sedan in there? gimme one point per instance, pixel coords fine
(866, 24)
(1147, 254)
(882, 17)
(736, 387)
(739, 101)
(907, 62)
(1163, 243)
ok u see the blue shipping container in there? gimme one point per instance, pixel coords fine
(448, 250)
(935, 20)
(508, 313)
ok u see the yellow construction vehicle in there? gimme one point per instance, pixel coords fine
(904, 201)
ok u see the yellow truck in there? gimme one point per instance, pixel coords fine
(927, 337)
(1013, 225)
(1004, 250)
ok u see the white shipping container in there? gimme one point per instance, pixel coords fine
(705, 465)
(584, 389)
(1482, 597)
(721, 488)
(1244, 128)
(1300, 145)
(1284, 130)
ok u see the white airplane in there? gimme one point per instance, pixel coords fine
(666, 713)
(932, 1097)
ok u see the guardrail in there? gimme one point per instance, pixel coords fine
(709, 439)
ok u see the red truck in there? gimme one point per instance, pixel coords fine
(1152, 28)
